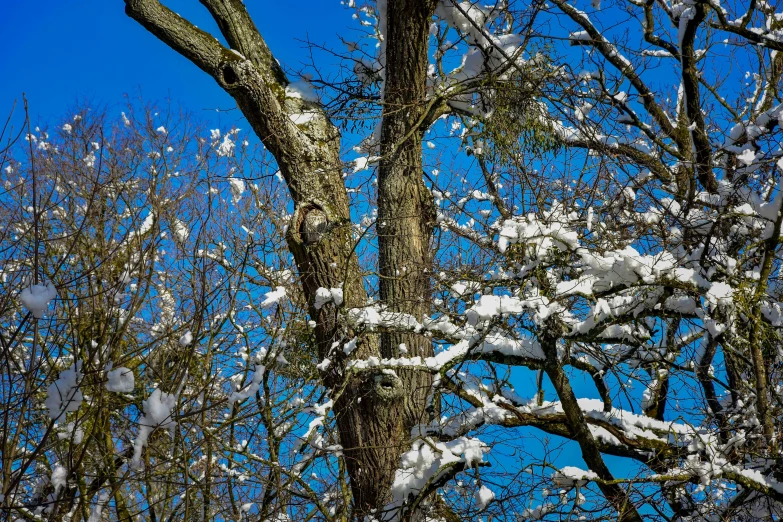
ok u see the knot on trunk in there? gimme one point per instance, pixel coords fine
(388, 386)
(311, 222)
(314, 226)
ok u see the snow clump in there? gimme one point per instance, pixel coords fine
(63, 395)
(36, 298)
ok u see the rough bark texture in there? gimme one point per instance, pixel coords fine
(404, 226)
(374, 430)
(405, 205)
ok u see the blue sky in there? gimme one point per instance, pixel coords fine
(59, 52)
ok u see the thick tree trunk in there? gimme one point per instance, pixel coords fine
(404, 227)
(405, 206)
(374, 413)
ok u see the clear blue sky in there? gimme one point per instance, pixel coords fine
(62, 51)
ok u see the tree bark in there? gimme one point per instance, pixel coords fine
(373, 422)
(405, 206)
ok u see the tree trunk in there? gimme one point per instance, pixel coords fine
(404, 227)
(374, 413)
(405, 206)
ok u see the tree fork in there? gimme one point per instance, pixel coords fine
(580, 432)
(375, 430)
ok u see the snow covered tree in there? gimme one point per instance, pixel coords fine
(374, 413)
(537, 252)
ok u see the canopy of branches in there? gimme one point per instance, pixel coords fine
(511, 261)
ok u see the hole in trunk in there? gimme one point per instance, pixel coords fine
(229, 76)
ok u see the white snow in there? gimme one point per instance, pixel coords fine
(59, 477)
(225, 149)
(549, 234)
(490, 306)
(64, 395)
(303, 118)
(180, 230)
(120, 380)
(571, 476)
(273, 297)
(720, 293)
(747, 157)
(186, 338)
(426, 459)
(70, 431)
(96, 515)
(301, 89)
(158, 408)
(484, 496)
(328, 295)
(146, 225)
(36, 298)
(350, 346)
(237, 187)
(253, 386)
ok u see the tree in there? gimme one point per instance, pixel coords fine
(372, 431)
(125, 230)
(586, 249)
